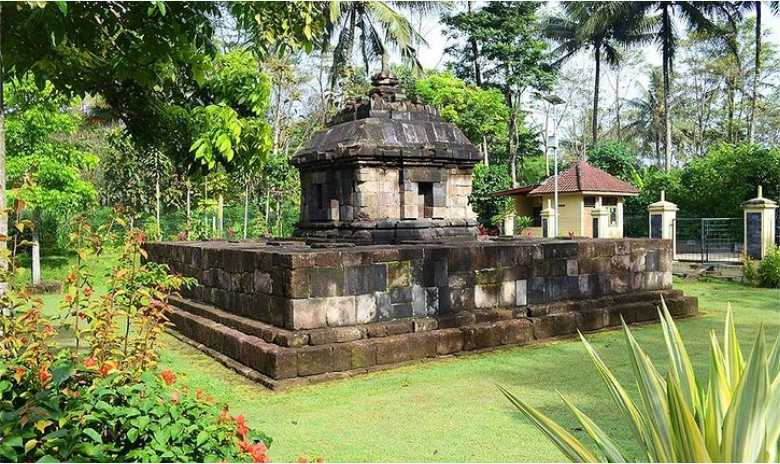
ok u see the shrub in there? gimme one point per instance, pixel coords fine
(731, 416)
(101, 398)
(769, 269)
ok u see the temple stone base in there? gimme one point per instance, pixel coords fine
(292, 312)
(390, 231)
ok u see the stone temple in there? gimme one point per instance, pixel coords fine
(386, 267)
(387, 170)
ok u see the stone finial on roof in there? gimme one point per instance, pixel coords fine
(385, 84)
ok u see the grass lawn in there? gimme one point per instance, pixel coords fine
(449, 409)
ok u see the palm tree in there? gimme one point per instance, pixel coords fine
(774, 7)
(646, 115)
(373, 25)
(592, 25)
(657, 19)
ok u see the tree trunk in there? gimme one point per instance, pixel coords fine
(3, 214)
(595, 123)
(221, 215)
(189, 203)
(731, 133)
(157, 201)
(618, 104)
(546, 139)
(756, 73)
(246, 209)
(512, 129)
(475, 52)
(667, 116)
(35, 269)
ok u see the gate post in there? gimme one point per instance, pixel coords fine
(759, 225)
(600, 216)
(662, 215)
(548, 220)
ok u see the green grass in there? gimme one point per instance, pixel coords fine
(449, 409)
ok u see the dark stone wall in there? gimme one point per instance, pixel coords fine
(296, 287)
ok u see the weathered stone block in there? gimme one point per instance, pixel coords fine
(422, 345)
(521, 292)
(594, 319)
(486, 296)
(364, 279)
(398, 274)
(516, 331)
(341, 311)
(425, 324)
(481, 336)
(366, 308)
(334, 335)
(363, 354)
(572, 267)
(326, 282)
(507, 296)
(308, 313)
(448, 341)
(418, 301)
(391, 350)
(314, 360)
(431, 300)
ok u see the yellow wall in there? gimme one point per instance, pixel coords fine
(575, 218)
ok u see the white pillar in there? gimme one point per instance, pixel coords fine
(548, 220)
(759, 219)
(661, 216)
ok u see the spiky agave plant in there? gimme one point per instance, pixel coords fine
(733, 416)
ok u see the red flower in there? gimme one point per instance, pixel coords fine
(258, 451)
(44, 375)
(241, 428)
(107, 368)
(168, 376)
(89, 363)
(19, 374)
(198, 393)
(302, 459)
(49, 331)
(88, 292)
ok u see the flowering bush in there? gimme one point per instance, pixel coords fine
(102, 399)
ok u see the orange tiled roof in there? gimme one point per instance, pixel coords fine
(583, 177)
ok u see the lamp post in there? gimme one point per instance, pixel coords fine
(552, 143)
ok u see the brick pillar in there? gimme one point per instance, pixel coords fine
(661, 216)
(759, 225)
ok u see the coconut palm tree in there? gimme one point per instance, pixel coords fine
(593, 26)
(645, 118)
(373, 26)
(741, 7)
(657, 20)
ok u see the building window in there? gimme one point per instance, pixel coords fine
(612, 216)
(590, 202)
(425, 195)
(609, 201)
(536, 216)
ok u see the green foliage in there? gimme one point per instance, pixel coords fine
(717, 184)
(234, 125)
(513, 53)
(680, 418)
(486, 181)
(479, 113)
(616, 158)
(42, 145)
(102, 400)
(765, 273)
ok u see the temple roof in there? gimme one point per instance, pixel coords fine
(579, 177)
(385, 126)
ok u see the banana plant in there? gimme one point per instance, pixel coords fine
(731, 416)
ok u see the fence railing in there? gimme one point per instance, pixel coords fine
(709, 239)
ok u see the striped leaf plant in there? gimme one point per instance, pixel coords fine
(733, 415)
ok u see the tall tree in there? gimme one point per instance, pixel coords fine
(658, 18)
(375, 26)
(583, 26)
(514, 57)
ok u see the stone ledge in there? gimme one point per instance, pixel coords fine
(335, 359)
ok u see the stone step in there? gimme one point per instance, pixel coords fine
(289, 364)
(602, 302)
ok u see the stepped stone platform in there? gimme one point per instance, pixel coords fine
(292, 312)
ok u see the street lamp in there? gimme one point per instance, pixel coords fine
(552, 142)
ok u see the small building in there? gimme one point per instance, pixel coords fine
(590, 203)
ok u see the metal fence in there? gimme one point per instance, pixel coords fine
(709, 239)
(636, 226)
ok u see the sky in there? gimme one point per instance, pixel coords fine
(433, 56)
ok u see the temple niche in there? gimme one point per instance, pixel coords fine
(387, 170)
